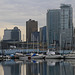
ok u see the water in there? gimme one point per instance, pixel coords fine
(37, 67)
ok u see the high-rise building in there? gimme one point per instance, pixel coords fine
(12, 34)
(60, 26)
(66, 21)
(74, 38)
(31, 26)
(53, 27)
(7, 34)
(43, 34)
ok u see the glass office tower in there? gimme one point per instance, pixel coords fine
(66, 25)
(53, 27)
(60, 27)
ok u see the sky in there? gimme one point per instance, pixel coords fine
(17, 12)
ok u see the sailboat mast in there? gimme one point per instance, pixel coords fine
(54, 40)
(43, 43)
(27, 45)
(33, 41)
(60, 42)
(37, 44)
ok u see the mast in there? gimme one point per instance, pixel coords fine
(60, 42)
(37, 44)
(70, 45)
(33, 41)
(54, 41)
(43, 43)
(27, 45)
(23, 41)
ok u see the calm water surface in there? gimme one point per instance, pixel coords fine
(37, 67)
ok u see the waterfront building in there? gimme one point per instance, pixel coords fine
(43, 34)
(31, 26)
(16, 34)
(7, 34)
(60, 27)
(66, 22)
(35, 36)
(12, 34)
(53, 27)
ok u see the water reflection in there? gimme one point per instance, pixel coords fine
(37, 67)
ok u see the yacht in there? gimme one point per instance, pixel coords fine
(52, 55)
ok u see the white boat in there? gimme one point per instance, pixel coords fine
(19, 54)
(37, 56)
(52, 55)
(32, 56)
(50, 52)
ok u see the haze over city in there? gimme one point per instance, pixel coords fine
(17, 12)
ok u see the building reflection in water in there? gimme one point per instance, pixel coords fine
(23, 69)
(11, 68)
(1, 70)
(37, 68)
(60, 68)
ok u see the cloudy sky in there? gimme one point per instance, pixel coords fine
(17, 12)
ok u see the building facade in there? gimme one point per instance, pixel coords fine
(16, 34)
(7, 34)
(66, 21)
(53, 27)
(12, 34)
(60, 26)
(43, 34)
(35, 36)
(31, 26)
(74, 38)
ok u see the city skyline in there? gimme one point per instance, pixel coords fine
(16, 13)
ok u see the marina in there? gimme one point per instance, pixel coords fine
(32, 54)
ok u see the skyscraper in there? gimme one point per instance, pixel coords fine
(7, 34)
(53, 27)
(31, 26)
(66, 21)
(60, 26)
